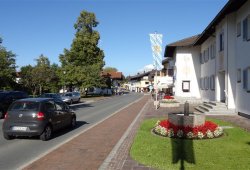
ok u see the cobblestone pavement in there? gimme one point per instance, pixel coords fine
(101, 150)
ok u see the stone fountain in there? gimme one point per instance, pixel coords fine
(186, 118)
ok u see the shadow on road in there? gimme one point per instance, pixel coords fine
(57, 133)
(182, 150)
(78, 107)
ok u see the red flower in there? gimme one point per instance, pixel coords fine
(168, 97)
(204, 128)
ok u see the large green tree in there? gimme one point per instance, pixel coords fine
(42, 77)
(83, 63)
(7, 67)
(110, 69)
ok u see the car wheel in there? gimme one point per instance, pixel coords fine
(73, 122)
(7, 137)
(47, 133)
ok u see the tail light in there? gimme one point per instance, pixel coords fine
(40, 115)
(6, 115)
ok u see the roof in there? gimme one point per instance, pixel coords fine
(169, 50)
(113, 75)
(231, 6)
(35, 99)
(140, 75)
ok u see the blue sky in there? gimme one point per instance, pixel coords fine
(33, 27)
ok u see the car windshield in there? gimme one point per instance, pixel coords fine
(25, 106)
(68, 94)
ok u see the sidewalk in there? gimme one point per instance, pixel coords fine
(89, 149)
(107, 145)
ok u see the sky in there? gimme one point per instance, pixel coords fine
(30, 28)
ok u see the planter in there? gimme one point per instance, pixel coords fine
(173, 104)
(192, 120)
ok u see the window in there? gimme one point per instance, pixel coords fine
(221, 41)
(212, 82)
(49, 106)
(201, 58)
(246, 79)
(208, 53)
(206, 83)
(214, 50)
(238, 29)
(211, 51)
(201, 83)
(246, 29)
(59, 106)
(186, 86)
(239, 75)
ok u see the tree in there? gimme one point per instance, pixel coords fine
(42, 77)
(110, 69)
(7, 67)
(27, 79)
(83, 63)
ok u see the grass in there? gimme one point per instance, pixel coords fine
(232, 151)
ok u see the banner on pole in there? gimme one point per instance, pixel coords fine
(156, 42)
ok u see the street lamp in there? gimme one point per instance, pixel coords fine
(64, 72)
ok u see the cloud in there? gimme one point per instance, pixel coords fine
(146, 68)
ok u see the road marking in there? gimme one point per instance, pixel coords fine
(74, 136)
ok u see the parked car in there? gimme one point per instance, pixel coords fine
(37, 117)
(7, 97)
(51, 95)
(71, 97)
(107, 92)
(94, 91)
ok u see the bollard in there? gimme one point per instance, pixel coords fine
(186, 109)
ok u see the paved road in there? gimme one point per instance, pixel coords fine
(17, 152)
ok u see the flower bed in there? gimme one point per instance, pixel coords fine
(208, 131)
(168, 97)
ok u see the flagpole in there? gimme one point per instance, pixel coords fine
(156, 42)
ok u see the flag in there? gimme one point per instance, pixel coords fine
(156, 42)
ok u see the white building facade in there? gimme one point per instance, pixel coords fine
(217, 62)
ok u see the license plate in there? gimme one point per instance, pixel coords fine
(18, 128)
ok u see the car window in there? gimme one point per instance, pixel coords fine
(59, 106)
(68, 94)
(25, 106)
(49, 106)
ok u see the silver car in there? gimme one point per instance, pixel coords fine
(71, 97)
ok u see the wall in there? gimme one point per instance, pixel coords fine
(187, 68)
(226, 74)
(207, 70)
(242, 62)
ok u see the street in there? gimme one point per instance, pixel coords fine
(18, 152)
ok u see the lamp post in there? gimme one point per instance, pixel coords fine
(64, 72)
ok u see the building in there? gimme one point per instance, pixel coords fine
(182, 62)
(215, 66)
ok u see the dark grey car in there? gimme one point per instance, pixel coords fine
(37, 117)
